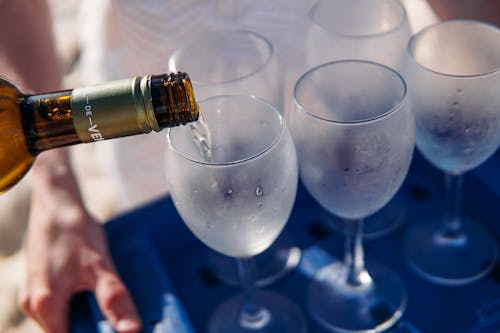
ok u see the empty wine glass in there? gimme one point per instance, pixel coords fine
(235, 194)
(453, 72)
(354, 135)
(231, 61)
(375, 30)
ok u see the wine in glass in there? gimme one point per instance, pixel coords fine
(231, 61)
(354, 134)
(238, 200)
(453, 72)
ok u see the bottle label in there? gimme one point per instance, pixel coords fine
(109, 110)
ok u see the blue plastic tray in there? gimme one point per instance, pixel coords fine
(175, 291)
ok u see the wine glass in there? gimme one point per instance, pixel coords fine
(453, 72)
(232, 61)
(354, 134)
(235, 193)
(373, 30)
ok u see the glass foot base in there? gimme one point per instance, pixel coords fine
(451, 262)
(278, 315)
(369, 308)
(270, 266)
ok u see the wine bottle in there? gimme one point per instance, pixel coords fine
(31, 124)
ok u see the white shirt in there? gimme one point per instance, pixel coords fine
(123, 38)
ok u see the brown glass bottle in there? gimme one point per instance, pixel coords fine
(31, 124)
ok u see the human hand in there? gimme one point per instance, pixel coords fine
(67, 253)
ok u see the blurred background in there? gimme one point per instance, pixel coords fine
(14, 205)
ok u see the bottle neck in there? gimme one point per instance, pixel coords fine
(112, 109)
(47, 121)
(109, 110)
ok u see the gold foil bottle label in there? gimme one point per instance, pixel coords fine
(109, 110)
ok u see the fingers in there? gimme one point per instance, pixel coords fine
(116, 303)
(24, 302)
(66, 257)
(48, 308)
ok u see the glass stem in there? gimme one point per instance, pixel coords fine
(451, 230)
(253, 315)
(354, 257)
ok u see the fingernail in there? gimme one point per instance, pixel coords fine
(126, 325)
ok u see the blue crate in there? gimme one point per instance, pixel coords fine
(162, 262)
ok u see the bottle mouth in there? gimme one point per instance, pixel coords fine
(179, 90)
(176, 91)
(188, 105)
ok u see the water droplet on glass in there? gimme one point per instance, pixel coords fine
(258, 191)
(261, 230)
(229, 193)
(346, 169)
(259, 203)
(209, 225)
(460, 92)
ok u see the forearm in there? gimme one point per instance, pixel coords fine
(55, 187)
(67, 253)
(482, 10)
(28, 58)
(27, 52)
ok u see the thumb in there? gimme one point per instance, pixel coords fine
(49, 308)
(116, 303)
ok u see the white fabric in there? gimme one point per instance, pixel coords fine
(122, 38)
